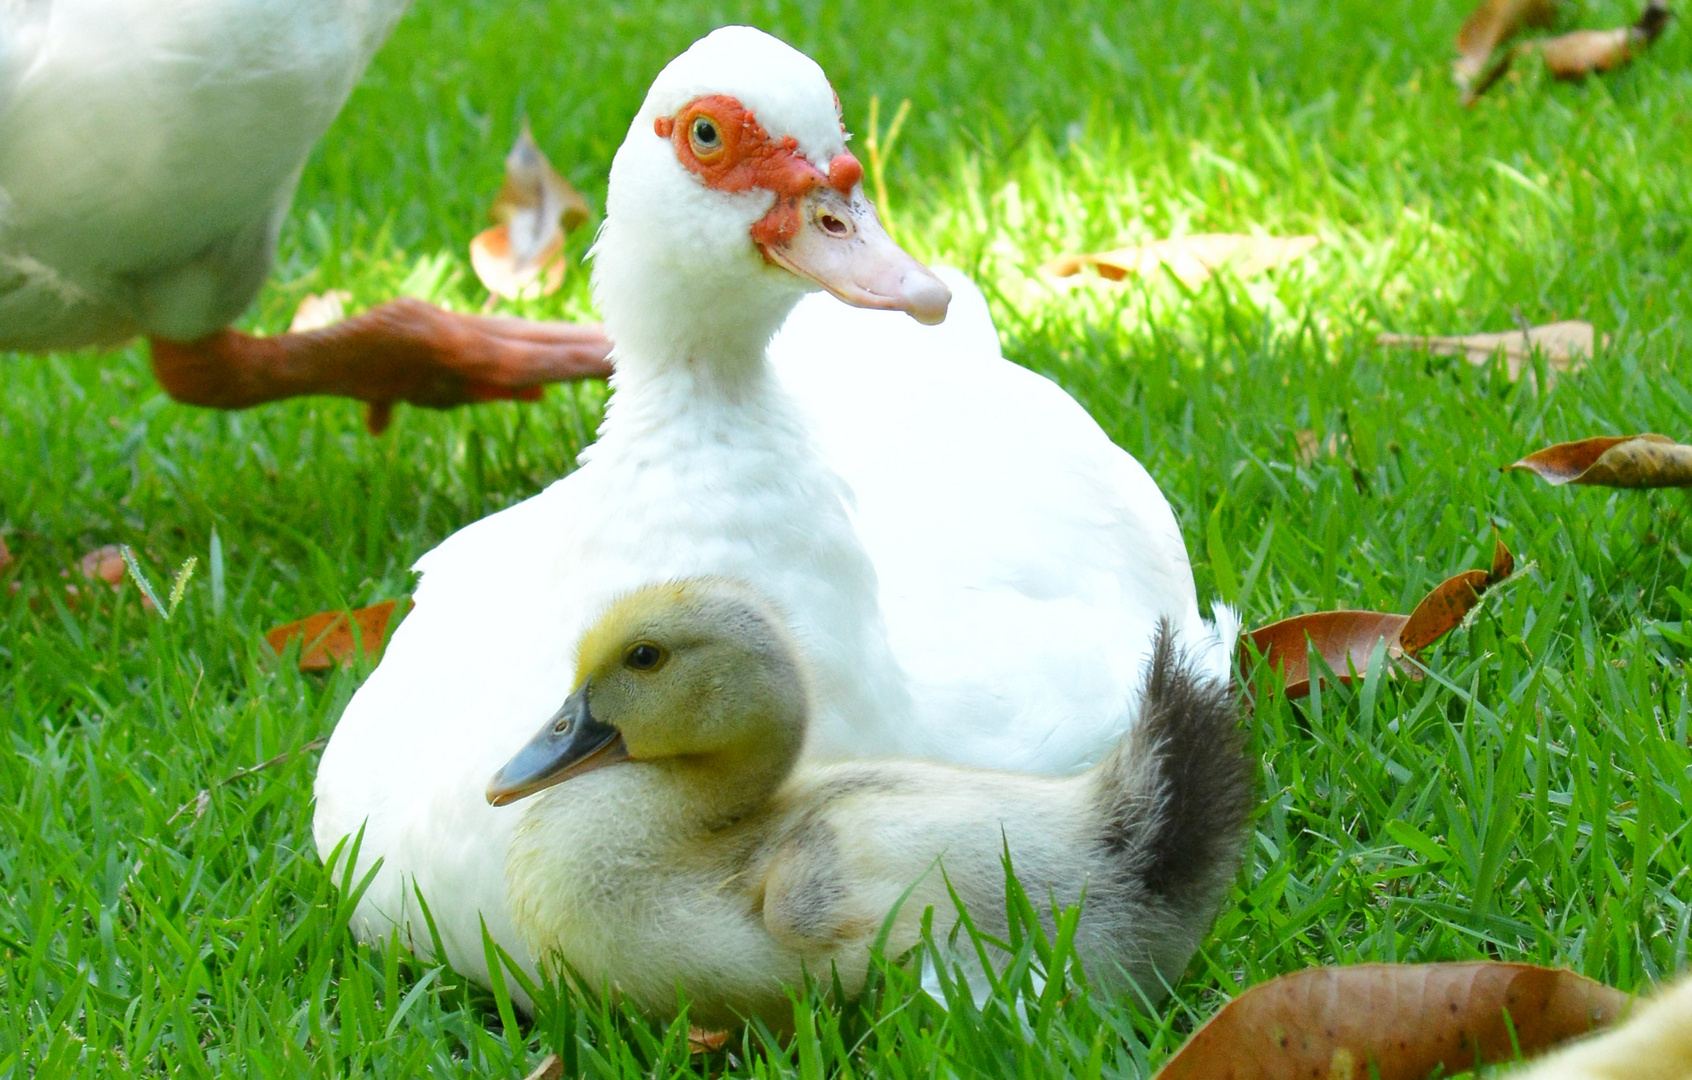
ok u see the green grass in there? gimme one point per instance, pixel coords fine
(1525, 801)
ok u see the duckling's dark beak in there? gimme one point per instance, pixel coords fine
(570, 744)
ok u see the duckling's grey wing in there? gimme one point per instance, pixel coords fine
(810, 906)
(149, 149)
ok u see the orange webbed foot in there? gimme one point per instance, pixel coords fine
(403, 351)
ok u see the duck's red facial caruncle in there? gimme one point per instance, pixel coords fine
(821, 227)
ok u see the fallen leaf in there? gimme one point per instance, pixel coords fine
(519, 257)
(1581, 53)
(1191, 258)
(103, 564)
(1489, 25)
(328, 637)
(317, 311)
(1309, 445)
(1347, 639)
(1585, 52)
(1443, 609)
(704, 1040)
(550, 1068)
(1627, 461)
(1393, 1021)
(1565, 345)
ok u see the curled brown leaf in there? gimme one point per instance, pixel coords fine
(1346, 640)
(1565, 345)
(103, 564)
(319, 310)
(1577, 54)
(550, 1068)
(519, 256)
(330, 637)
(1444, 609)
(1586, 52)
(1192, 259)
(1489, 25)
(1393, 1021)
(1627, 461)
(705, 1040)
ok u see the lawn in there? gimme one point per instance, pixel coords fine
(162, 912)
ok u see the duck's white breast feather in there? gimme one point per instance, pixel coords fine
(1024, 559)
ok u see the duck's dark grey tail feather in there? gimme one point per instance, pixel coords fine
(1178, 788)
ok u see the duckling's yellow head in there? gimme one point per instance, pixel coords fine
(700, 670)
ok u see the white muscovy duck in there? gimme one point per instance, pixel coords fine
(973, 571)
(148, 153)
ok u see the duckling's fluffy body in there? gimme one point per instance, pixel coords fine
(707, 863)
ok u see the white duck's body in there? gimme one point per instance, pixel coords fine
(149, 149)
(1020, 561)
(1024, 559)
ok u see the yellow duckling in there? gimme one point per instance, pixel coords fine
(678, 847)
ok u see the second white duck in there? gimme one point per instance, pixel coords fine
(732, 196)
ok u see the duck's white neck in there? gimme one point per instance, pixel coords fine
(701, 435)
(678, 309)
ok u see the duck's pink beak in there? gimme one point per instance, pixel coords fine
(839, 243)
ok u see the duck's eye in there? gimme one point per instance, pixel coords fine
(643, 657)
(706, 139)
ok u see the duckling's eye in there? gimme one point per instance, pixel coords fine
(643, 657)
(706, 139)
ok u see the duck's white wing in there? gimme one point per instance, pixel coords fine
(460, 687)
(1024, 559)
(148, 149)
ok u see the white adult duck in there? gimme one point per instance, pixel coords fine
(148, 153)
(732, 195)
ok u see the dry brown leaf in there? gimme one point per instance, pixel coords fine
(1443, 609)
(1393, 1021)
(1585, 52)
(1565, 345)
(550, 1068)
(317, 311)
(519, 257)
(328, 637)
(1491, 24)
(1628, 461)
(1191, 258)
(1347, 639)
(704, 1040)
(1578, 54)
(1309, 445)
(103, 564)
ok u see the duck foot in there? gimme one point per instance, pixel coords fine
(404, 350)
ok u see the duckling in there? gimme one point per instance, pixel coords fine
(678, 846)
